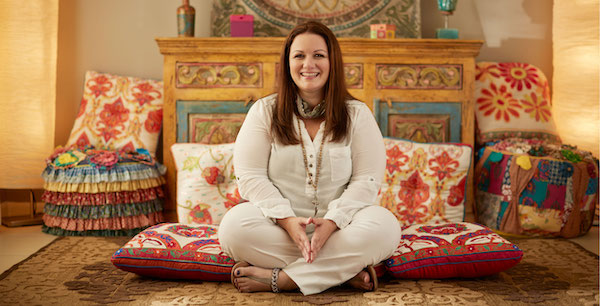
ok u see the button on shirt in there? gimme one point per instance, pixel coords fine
(273, 177)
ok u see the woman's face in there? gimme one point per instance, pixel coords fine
(309, 64)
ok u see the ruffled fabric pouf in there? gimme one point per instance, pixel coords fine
(91, 192)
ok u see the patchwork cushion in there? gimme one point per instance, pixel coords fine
(175, 251)
(118, 113)
(424, 182)
(206, 185)
(451, 250)
(551, 195)
(512, 100)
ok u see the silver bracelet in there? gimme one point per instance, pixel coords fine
(274, 277)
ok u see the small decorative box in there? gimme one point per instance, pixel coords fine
(242, 25)
(383, 31)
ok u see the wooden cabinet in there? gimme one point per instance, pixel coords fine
(420, 89)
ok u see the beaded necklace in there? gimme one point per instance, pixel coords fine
(313, 182)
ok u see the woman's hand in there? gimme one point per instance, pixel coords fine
(296, 228)
(323, 229)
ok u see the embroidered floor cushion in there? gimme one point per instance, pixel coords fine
(206, 185)
(549, 196)
(425, 182)
(451, 250)
(512, 100)
(118, 113)
(175, 251)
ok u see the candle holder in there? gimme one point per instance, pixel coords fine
(446, 7)
(186, 15)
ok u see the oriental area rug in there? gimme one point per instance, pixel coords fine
(77, 271)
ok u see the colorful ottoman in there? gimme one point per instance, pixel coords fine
(553, 194)
(101, 192)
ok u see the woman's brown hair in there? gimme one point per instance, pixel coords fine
(336, 93)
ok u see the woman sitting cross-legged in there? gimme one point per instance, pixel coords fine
(310, 160)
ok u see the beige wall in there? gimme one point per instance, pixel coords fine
(117, 36)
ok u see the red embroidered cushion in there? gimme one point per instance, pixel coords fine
(451, 250)
(118, 113)
(175, 251)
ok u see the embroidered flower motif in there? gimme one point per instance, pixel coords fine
(82, 107)
(484, 71)
(418, 160)
(233, 199)
(83, 141)
(498, 101)
(154, 121)
(444, 229)
(104, 159)
(112, 116)
(457, 193)
(395, 159)
(99, 85)
(443, 165)
(519, 74)
(413, 193)
(213, 175)
(537, 108)
(193, 231)
(145, 93)
(201, 214)
(69, 159)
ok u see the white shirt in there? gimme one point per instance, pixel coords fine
(273, 176)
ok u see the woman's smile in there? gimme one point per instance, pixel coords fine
(309, 66)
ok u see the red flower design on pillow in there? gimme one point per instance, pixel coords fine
(484, 71)
(537, 107)
(145, 93)
(519, 74)
(82, 107)
(444, 229)
(201, 214)
(443, 165)
(413, 194)
(99, 85)
(154, 121)
(233, 199)
(82, 141)
(112, 116)
(213, 175)
(395, 159)
(457, 193)
(498, 101)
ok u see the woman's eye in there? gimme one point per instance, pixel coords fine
(319, 55)
(299, 56)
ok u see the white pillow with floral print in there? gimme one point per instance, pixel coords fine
(118, 113)
(512, 100)
(206, 185)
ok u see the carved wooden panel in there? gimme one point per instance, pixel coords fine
(399, 76)
(209, 122)
(353, 73)
(422, 122)
(420, 128)
(212, 75)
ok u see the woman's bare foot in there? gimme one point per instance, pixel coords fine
(362, 280)
(255, 279)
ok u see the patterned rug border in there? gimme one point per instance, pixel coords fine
(17, 265)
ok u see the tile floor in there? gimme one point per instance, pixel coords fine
(18, 243)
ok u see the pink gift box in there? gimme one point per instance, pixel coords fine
(242, 25)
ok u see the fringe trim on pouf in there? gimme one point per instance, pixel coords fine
(57, 231)
(103, 211)
(104, 223)
(120, 197)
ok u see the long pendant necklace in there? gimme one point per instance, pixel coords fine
(313, 182)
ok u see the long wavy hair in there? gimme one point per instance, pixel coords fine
(336, 92)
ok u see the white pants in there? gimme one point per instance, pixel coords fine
(372, 236)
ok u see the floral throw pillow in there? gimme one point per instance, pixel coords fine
(425, 182)
(451, 250)
(206, 185)
(512, 100)
(118, 113)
